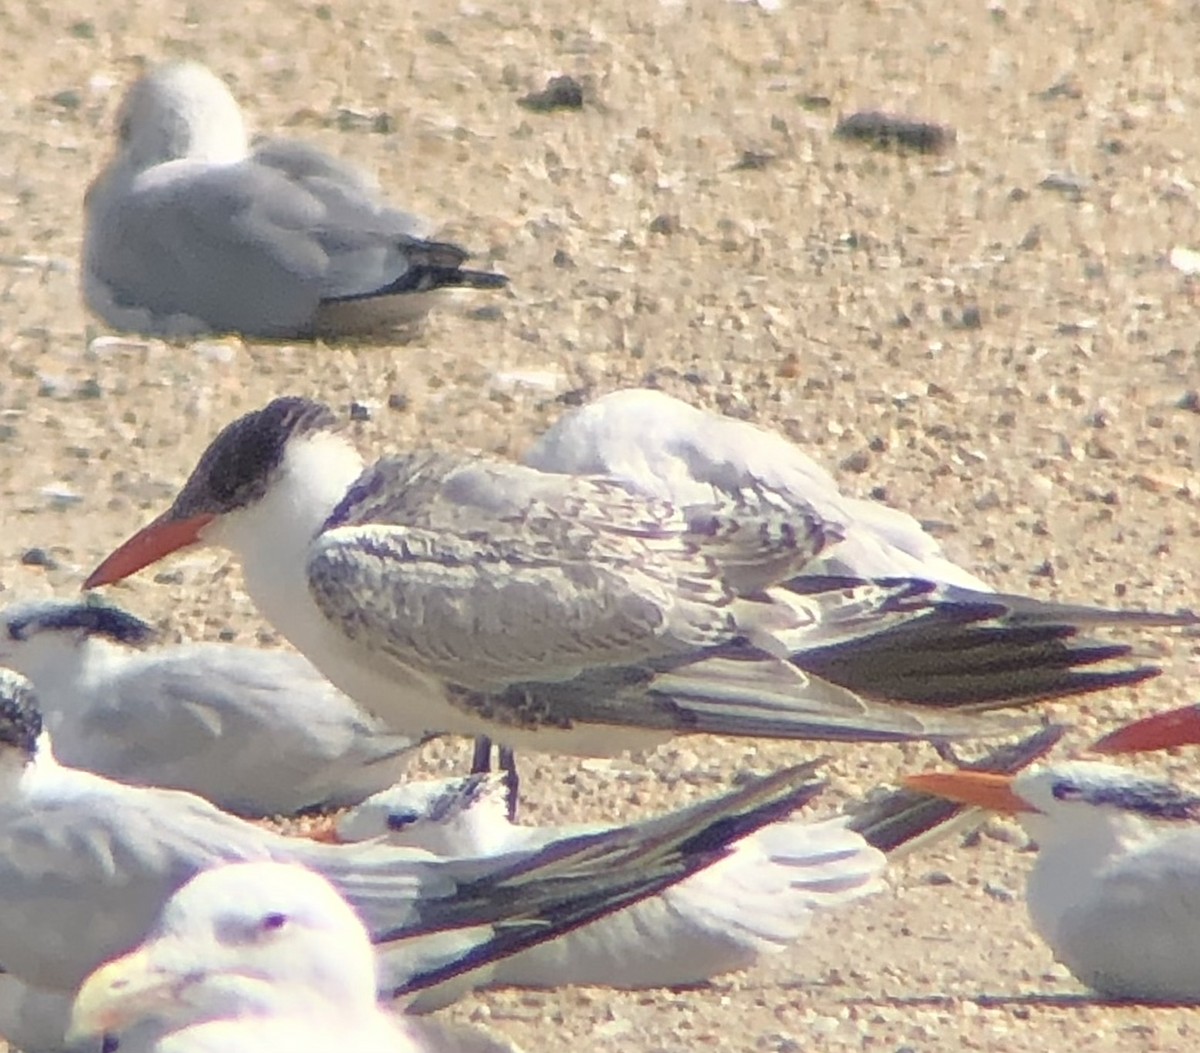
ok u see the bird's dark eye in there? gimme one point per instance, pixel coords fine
(272, 922)
(400, 820)
(1066, 791)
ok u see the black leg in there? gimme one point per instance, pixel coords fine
(481, 760)
(512, 781)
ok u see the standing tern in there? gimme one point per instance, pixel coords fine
(452, 594)
(188, 230)
(251, 957)
(86, 863)
(256, 732)
(756, 900)
(1115, 889)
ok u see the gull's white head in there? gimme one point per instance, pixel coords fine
(181, 110)
(269, 479)
(243, 940)
(447, 817)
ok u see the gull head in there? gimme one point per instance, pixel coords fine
(242, 940)
(179, 111)
(273, 473)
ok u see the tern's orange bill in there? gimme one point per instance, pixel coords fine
(983, 789)
(1176, 727)
(165, 535)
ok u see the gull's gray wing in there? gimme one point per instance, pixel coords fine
(255, 246)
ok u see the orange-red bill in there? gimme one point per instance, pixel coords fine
(983, 789)
(1176, 727)
(165, 535)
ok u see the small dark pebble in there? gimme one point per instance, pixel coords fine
(38, 557)
(815, 102)
(487, 313)
(359, 411)
(560, 93)
(752, 160)
(398, 401)
(889, 130)
(563, 260)
(68, 99)
(1190, 401)
(574, 397)
(665, 223)
(227, 635)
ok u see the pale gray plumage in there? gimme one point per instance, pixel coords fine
(85, 864)
(187, 230)
(256, 732)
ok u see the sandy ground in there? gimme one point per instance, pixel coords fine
(1011, 361)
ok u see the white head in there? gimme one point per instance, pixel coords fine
(448, 817)
(243, 940)
(181, 110)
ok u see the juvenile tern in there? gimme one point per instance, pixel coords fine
(1115, 888)
(256, 732)
(453, 594)
(189, 230)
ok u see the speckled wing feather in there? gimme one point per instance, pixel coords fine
(486, 574)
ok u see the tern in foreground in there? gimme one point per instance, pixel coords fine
(188, 231)
(252, 957)
(258, 733)
(1115, 889)
(86, 863)
(756, 900)
(454, 594)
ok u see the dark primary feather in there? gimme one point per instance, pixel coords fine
(947, 646)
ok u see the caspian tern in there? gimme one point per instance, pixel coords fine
(252, 957)
(1115, 889)
(258, 733)
(757, 900)
(453, 594)
(86, 863)
(1159, 731)
(188, 230)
